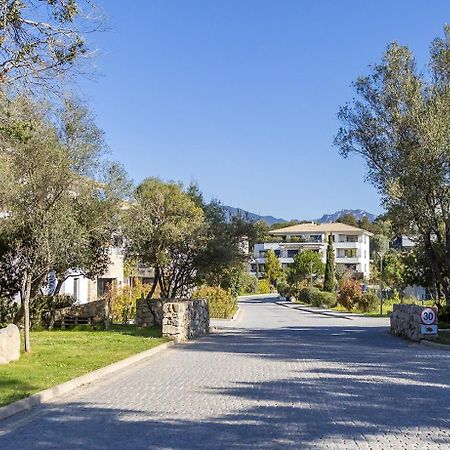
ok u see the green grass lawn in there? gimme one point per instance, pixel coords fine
(59, 356)
(388, 306)
(443, 338)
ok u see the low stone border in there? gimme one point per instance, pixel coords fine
(48, 394)
(435, 345)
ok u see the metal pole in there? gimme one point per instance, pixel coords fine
(381, 285)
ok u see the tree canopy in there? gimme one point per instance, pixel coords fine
(273, 270)
(54, 218)
(400, 124)
(307, 265)
(165, 229)
(42, 40)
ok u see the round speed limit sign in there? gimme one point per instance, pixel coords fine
(428, 316)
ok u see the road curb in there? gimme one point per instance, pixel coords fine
(299, 307)
(435, 345)
(237, 314)
(48, 394)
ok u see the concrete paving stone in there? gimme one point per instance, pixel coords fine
(277, 377)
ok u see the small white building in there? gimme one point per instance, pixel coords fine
(84, 290)
(351, 246)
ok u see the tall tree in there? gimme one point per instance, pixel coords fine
(40, 41)
(48, 216)
(400, 125)
(307, 265)
(273, 270)
(329, 284)
(394, 271)
(165, 229)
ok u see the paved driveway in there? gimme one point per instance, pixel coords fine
(278, 377)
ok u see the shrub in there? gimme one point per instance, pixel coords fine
(284, 289)
(221, 303)
(349, 294)
(368, 302)
(315, 297)
(123, 300)
(248, 284)
(307, 294)
(263, 286)
(396, 297)
(8, 309)
(43, 307)
(324, 299)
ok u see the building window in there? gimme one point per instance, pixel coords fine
(277, 253)
(350, 253)
(103, 285)
(292, 253)
(76, 289)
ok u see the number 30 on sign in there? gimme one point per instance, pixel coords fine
(428, 316)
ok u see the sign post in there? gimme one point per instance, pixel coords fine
(428, 320)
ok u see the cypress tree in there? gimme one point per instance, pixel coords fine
(329, 284)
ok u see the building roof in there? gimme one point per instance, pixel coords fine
(331, 227)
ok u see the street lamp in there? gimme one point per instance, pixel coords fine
(381, 254)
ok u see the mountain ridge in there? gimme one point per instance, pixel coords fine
(231, 211)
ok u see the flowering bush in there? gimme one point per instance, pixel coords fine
(349, 294)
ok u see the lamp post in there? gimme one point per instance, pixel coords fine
(381, 254)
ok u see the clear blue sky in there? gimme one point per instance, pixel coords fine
(242, 95)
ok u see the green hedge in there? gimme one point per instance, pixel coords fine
(315, 297)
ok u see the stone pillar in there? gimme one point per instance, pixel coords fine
(185, 319)
(9, 344)
(405, 321)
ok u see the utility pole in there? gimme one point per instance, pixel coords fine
(381, 254)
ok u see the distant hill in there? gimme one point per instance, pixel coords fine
(358, 213)
(230, 211)
(270, 220)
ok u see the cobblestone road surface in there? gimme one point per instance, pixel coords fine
(278, 377)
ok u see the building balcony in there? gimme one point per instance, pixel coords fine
(347, 245)
(349, 260)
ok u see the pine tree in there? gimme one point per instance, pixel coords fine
(329, 284)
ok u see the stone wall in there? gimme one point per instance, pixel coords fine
(149, 313)
(405, 321)
(183, 320)
(98, 311)
(9, 344)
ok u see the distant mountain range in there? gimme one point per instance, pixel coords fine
(270, 220)
(358, 213)
(230, 211)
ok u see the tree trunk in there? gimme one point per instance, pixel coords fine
(58, 287)
(154, 285)
(442, 279)
(26, 308)
(19, 315)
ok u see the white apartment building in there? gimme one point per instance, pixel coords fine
(351, 246)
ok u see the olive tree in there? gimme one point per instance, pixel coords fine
(164, 228)
(53, 215)
(400, 124)
(42, 40)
